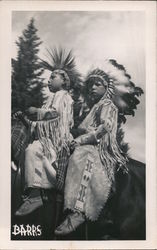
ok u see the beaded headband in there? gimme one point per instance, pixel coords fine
(100, 77)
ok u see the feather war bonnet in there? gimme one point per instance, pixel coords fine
(125, 92)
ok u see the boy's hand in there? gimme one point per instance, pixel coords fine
(18, 114)
(31, 111)
(73, 145)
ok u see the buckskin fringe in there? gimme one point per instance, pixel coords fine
(109, 160)
(55, 133)
(48, 133)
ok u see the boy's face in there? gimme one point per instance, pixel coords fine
(45, 91)
(98, 90)
(56, 82)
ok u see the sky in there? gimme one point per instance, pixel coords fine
(94, 37)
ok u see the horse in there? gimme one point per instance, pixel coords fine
(123, 217)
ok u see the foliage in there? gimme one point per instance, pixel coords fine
(26, 70)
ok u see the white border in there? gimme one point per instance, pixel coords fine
(6, 7)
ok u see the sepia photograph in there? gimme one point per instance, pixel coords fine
(78, 126)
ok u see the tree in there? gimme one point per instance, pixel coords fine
(26, 70)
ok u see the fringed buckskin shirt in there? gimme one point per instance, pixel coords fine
(91, 167)
(53, 135)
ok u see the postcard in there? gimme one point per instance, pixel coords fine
(78, 125)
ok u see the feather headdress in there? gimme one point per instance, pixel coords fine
(92, 77)
(125, 91)
(98, 74)
(60, 61)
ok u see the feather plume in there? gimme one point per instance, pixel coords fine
(59, 59)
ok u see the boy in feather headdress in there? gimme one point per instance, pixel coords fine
(90, 174)
(53, 137)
